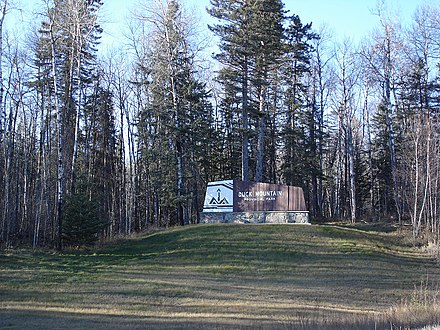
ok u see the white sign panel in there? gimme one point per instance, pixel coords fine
(219, 196)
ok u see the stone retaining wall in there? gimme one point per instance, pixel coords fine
(255, 217)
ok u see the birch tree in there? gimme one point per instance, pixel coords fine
(173, 98)
(418, 97)
(67, 41)
(345, 109)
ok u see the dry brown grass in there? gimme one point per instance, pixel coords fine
(223, 277)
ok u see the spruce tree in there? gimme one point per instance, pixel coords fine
(299, 120)
(250, 35)
(175, 101)
(83, 222)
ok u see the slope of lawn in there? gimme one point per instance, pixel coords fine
(224, 276)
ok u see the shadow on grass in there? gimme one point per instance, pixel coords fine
(17, 319)
(371, 227)
(233, 276)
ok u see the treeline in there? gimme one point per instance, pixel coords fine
(94, 146)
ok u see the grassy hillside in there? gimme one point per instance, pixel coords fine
(225, 276)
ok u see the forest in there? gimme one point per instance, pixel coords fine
(98, 146)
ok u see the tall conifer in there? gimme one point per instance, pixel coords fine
(250, 46)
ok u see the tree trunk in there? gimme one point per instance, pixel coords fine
(245, 126)
(259, 170)
(59, 123)
(3, 11)
(351, 171)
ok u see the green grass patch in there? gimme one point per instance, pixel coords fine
(222, 276)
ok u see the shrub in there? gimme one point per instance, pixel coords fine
(82, 223)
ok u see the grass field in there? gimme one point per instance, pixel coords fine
(226, 276)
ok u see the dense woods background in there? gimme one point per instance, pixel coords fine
(94, 146)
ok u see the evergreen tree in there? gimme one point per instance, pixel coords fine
(381, 166)
(228, 137)
(83, 223)
(299, 125)
(176, 101)
(236, 54)
(250, 49)
(99, 150)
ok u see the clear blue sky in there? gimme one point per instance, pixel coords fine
(350, 18)
(346, 18)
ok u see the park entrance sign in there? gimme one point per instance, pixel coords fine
(243, 201)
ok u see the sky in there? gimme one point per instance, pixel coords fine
(345, 18)
(351, 19)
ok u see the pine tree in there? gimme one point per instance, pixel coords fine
(236, 54)
(250, 49)
(299, 121)
(175, 102)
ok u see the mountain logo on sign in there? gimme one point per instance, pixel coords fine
(219, 200)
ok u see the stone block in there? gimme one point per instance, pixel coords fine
(255, 217)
